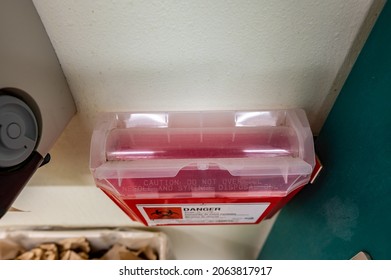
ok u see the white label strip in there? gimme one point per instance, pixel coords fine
(203, 213)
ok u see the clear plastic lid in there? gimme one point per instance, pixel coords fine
(256, 144)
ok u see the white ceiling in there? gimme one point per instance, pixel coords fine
(124, 55)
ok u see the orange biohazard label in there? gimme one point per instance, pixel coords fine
(160, 213)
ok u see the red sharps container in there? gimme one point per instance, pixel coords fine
(208, 167)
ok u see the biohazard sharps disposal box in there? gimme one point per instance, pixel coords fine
(209, 167)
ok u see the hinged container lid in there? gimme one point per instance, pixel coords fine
(244, 143)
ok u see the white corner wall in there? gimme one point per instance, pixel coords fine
(194, 55)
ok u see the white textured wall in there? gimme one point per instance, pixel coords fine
(195, 55)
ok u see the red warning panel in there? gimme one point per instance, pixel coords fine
(163, 213)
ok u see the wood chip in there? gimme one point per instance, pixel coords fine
(77, 244)
(128, 255)
(84, 255)
(10, 249)
(149, 253)
(70, 255)
(50, 251)
(119, 252)
(34, 254)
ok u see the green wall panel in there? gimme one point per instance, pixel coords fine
(348, 209)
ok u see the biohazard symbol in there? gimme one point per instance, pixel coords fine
(164, 213)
